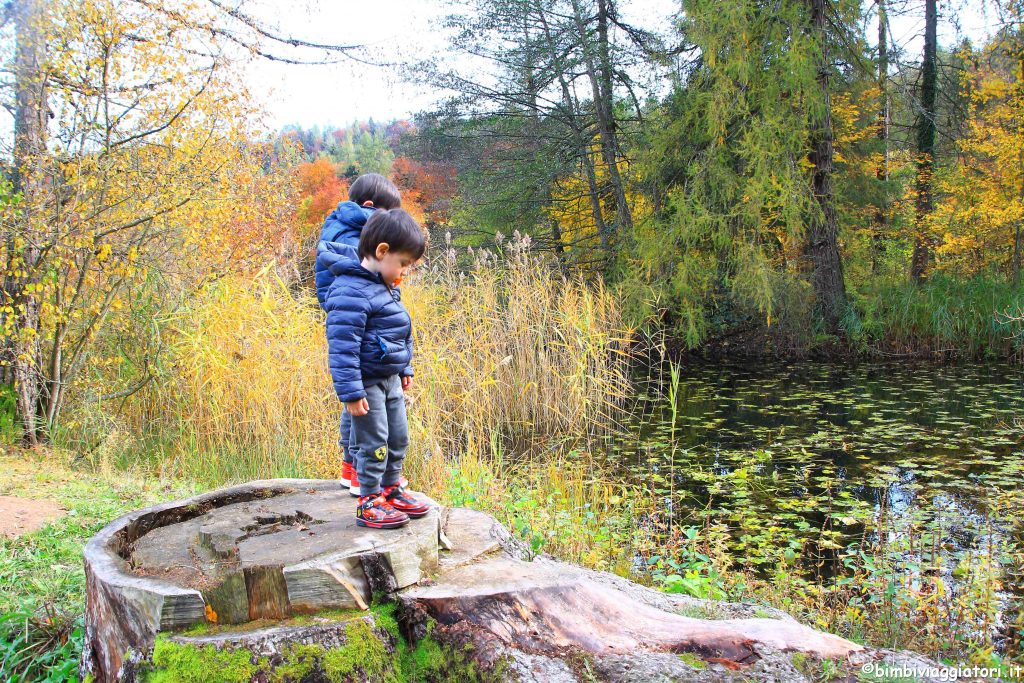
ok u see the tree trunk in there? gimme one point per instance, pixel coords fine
(610, 127)
(882, 173)
(823, 230)
(583, 144)
(925, 145)
(530, 66)
(225, 563)
(598, 69)
(29, 179)
(1018, 235)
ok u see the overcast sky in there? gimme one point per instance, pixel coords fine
(401, 30)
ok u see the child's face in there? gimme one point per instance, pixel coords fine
(393, 265)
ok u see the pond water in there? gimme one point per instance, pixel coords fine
(816, 460)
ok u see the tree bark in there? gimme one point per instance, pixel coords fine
(530, 81)
(572, 110)
(1018, 234)
(925, 145)
(216, 562)
(610, 126)
(822, 245)
(882, 173)
(598, 69)
(29, 180)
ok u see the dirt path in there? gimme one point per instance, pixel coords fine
(22, 515)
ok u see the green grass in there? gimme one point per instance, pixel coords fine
(42, 648)
(973, 318)
(8, 414)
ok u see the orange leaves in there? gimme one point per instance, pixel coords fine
(320, 190)
(256, 219)
(315, 176)
(427, 188)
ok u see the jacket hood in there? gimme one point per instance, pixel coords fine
(341, 259)
(346, 222)
(328, 254)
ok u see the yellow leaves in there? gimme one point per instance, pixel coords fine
(103, 253)
(982, 206)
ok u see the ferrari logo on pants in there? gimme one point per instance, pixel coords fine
(381, 453)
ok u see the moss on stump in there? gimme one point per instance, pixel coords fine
(352, 648)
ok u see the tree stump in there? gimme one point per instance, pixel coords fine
(263, 550)
(235, 573)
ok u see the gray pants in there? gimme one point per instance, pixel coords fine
(345, 430)
(380, 437)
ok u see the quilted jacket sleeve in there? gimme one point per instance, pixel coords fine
(322, 278)
(407, 370)
(347, 312)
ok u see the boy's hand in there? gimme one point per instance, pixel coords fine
(406, 383)
(358, 408)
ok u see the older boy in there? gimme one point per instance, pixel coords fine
(340, 232)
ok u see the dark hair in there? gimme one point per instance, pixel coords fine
(373, 187)
(396, 227)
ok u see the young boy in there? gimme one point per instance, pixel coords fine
(369, 342)
(342, 229)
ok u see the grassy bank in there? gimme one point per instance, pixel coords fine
(515, 370)
(943, 318)
(976, 318)
(563, 507)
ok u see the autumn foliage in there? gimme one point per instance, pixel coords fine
(979, 226)
(320, 189)
(427, 189)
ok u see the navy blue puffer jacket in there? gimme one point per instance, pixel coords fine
(342, 226)
(369, 332)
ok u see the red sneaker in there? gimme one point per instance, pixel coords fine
(406, 502)
(375, 512)
(348, 473)
(353, 484)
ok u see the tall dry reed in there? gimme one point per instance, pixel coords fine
(516, 365)
(510, 356)
(249, 394)
(508, 348)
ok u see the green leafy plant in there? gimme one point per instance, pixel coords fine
(43, 648)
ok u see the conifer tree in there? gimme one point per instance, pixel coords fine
(750, 209)
(822, 241)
